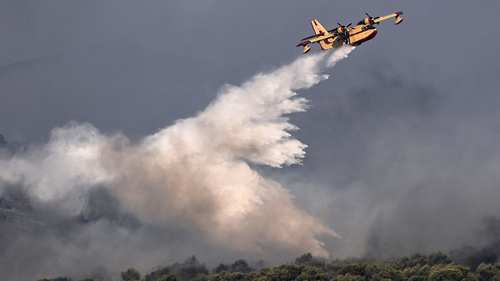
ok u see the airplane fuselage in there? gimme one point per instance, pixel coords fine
(364, 31)
(361, 33)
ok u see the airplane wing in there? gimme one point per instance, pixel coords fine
(397, 16)
(331, 33)
(309, 38)
(326, 42)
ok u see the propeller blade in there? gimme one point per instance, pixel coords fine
(349, 24)
(368, 15)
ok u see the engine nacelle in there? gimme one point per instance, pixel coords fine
(368, 21)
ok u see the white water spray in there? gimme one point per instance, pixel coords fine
(196, 170)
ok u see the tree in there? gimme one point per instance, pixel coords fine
(304, 259)
(131, 275)
(435, 267)
(354, 269)
(438, 258)
(169, 277)
(240, 266)
(189, 269)
(349, 277)
(488, 272)
(157, 274)
(280, 273)
(310, 273)
(451, 272)
(221, 268)
(417, 278)
(229, 276)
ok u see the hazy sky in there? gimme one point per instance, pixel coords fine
(403, 138)
(134, 67)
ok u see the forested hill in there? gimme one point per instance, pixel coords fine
(435, 267)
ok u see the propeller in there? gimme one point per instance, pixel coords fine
(344, 35)
(368, 15)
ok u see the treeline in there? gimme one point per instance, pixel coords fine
(435, 267)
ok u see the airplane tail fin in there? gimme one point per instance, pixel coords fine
(320, 30)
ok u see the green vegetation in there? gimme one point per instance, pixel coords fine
(435, 267)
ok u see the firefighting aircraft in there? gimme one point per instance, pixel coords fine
(365, 30)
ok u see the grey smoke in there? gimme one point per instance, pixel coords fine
(412, 171)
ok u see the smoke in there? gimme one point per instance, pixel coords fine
(410, 167)
(197, 175)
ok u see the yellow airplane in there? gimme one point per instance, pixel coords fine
(365, 30)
